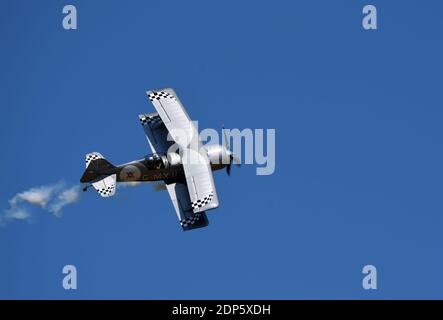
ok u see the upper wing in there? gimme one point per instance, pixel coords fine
(174, 117)
(156, 132)
(199, 180)
(189, 220)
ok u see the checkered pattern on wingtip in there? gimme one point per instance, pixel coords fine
(190, 221)
(149, 119)
(202, 202)
(153, 95)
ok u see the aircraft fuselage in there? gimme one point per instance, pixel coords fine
(151, 168)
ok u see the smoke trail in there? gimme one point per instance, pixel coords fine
(51, 198)
(65, 198)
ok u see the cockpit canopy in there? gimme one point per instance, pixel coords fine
(155, 161)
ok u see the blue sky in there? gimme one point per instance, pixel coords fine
(358, 147)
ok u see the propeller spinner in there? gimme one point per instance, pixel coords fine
(232, 156)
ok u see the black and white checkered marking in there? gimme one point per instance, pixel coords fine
(106, 191)
(159, 95)
(190, 221)
(202, 202)
(149, 120)
(91, 157)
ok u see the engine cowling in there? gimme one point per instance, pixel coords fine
(174, 159)
(217, 154)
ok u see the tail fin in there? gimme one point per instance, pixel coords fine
(92, 157)
(102, 172)
(95, 161)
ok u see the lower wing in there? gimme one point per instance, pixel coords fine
(178, 191)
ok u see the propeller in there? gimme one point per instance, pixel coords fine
(232, 156)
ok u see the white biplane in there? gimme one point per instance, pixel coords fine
(179, 160)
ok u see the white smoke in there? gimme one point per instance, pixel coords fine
(51, 198)
(38, 196)
(66, 197)
(17, 214)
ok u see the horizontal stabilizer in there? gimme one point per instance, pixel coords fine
(106, 186)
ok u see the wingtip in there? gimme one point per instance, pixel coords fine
(161, 89)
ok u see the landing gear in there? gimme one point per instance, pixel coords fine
(86, 188)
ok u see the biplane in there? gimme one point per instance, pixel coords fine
(178, 159)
